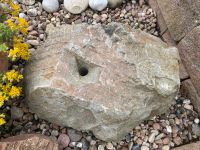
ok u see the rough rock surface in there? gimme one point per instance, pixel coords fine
(181, 16)
(189, 48)
(3, 62)
(28, 142)
(106, 79)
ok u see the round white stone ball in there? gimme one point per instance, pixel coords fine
(50, 5)
(76, 6)
(98, 5)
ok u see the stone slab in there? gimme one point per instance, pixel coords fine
(183, 73)
(180, 16)
(193, 146)
(28, 142)
(189, 49)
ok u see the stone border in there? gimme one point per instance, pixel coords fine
(28, 142)
(188, 83)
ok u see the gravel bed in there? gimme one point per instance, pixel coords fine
(177, 127)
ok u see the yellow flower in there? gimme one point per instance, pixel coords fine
(15, 8)
(22, 24)
(17, 39)
(2, 99)
(2, 116)
(12, 76)
(2, 120)
(20, 50)
(14, 53)
(18, 24)
(5, 88)
(11, 25)
(14, 91)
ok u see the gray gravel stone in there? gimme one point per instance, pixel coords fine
(32, 12)
(16, 113)
(74, 135)
(196, 129)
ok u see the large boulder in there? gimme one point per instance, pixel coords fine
(106, 79)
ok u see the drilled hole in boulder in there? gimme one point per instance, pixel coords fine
(83, 71)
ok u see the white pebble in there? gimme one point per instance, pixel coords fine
(196, 120)
(165, 147)
(32, 12)
(187, 106)
(169, 129)
(109, 146)
(98, 4)
(186, 101)
(22, 15)
(152, 137)
(93, 142)
(144, 147)
(79, 145)
(73, 143)
(100, 147)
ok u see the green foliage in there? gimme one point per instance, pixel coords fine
(2, 18)
(3, 47)
(6, 34)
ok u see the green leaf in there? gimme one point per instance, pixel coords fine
(3, 47)
(6, 34)
(2, 18)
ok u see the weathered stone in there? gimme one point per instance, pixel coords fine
(101, 78)
(3, 62)
(189, 48)
(28, 142)
(180, 16)
(183, 73)
(193, 146)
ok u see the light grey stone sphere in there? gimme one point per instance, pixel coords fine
(50, 5)
(98, 5)
(76, 6)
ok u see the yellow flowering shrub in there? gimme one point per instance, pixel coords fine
(13, 31)
(12, 76)
(2, 120)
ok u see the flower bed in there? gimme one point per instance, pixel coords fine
(12, 45)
